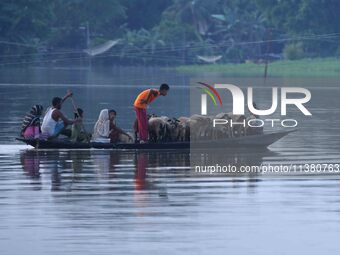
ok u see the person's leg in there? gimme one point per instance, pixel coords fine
(66, 132)
(142, 124)
(84, 137)
(60, 129)
(145, 124)
(135, 129)
(114, 136)
(75, 132)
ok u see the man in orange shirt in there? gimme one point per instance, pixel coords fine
(141, 103)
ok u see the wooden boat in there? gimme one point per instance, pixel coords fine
(258, 141)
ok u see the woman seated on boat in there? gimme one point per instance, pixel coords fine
(78, 132)
(105, 129)
(30, 128)
(54, 122)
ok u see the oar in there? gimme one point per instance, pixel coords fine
(82, 124)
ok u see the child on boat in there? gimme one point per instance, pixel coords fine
(105, 129)
(30, 128)
(78, 132)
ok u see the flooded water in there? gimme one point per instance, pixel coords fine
(110, 202)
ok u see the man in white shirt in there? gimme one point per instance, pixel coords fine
(54, 122)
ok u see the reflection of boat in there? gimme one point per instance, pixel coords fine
(257, 141)
(88, 171)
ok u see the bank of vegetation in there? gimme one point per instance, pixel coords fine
(170, 32)
(316, 67)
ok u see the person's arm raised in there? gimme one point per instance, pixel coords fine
(68, 94)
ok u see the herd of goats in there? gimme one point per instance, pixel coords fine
(198, 127)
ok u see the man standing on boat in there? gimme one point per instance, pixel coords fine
(141, 103)
(54, 122)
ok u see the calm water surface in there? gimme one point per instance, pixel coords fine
(109, 202)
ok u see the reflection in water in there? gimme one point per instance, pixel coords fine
(55, 162)
(126, 201)
(30, 161)
(74, 168)
(225, 158)
(140, 174)
(141, 202)
(78, 160)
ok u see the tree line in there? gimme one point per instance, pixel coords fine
(169, 31)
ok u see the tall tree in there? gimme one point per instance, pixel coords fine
(144, 13)
(103, 18)
(305, 18)
(25, 21)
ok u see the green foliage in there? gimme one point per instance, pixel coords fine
(72, 16)
(305, 18)
(293, 51)
(139, 45)
(238, 24)
(173, 31)
(24, 22)
(144, 13)
(317, 67)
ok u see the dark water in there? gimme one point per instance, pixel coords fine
(109, 202)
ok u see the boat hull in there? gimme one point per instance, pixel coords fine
(258, 141)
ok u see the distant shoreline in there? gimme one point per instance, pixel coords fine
(313, 67)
